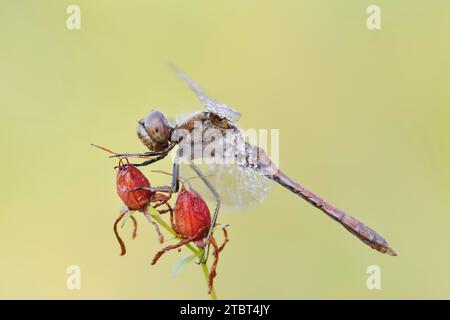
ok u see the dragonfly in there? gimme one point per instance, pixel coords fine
(203, 130)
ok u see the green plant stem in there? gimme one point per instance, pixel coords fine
(190, 247)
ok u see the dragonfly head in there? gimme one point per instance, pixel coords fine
(154, 131)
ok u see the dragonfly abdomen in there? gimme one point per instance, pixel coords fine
(356, 227)
(259, 160)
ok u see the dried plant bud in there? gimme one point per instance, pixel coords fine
(192, 223)
(130, 178)
(192, 217)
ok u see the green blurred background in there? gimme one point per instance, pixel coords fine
(363, 118)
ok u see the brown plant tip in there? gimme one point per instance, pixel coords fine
(134, 227)
(123, 249)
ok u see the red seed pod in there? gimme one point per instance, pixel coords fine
(130, 178)
(192, 217)
(192, 223)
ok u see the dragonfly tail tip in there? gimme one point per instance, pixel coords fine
(391, 252)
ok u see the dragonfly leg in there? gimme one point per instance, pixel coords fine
(157, 154)
(136, 155)
(147, 162)
(216, 211)
(147, 154)
(174, 186)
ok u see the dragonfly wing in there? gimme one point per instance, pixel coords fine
(240, 188)
(220, 109)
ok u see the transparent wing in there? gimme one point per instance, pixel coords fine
(240, 188)
(220, 109)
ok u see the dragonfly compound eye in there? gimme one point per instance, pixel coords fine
(154, 131)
